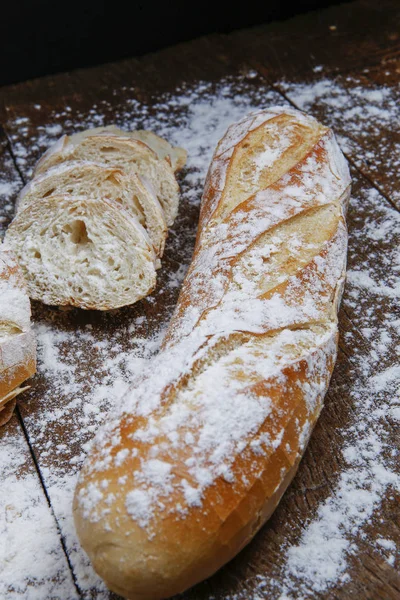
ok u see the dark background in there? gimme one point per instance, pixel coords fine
(40, 37)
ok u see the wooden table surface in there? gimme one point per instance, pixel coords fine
(335, 532)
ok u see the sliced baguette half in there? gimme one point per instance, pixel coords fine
(83, 178)
(81, 251)
(120, 151)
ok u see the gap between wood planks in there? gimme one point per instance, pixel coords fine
(8, 148)
(35, 462)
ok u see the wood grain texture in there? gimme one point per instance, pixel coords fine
(358, 46)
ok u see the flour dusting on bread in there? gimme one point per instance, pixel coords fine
(246, 362)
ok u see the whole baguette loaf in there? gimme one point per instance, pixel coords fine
(209, 437)
(17, 341)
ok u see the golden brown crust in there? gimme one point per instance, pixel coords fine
(186, 551)
(209, 439)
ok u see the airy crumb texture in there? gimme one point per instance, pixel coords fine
(85, 372)
(84, 178)
(177, 157)
(80, 178)
(82, 252)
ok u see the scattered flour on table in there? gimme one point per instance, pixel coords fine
(388, 549)
(82, 386)
(28, 569)
(371, 450)
(320, 559)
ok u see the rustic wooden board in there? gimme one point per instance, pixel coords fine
(336, 74)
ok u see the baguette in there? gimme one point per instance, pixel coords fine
(119, 151)
(82, 178)
(210, 436)
(17, 341)
(81, 251)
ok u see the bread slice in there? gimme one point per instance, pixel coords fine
(119, 151)
(17, 341)
(82, 178)
(86, 252)
(176, 156)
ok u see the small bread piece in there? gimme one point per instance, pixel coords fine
(17, 341)
(119, 151)
(211, 436)
(7, 410)
(81, 251)
(176, 156)
(83, 178)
